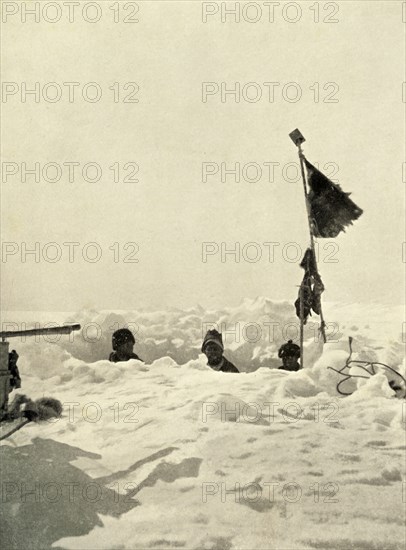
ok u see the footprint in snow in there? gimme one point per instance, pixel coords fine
(346, 457)
(378, 443)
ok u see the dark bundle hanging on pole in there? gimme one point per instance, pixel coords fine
(311, 288)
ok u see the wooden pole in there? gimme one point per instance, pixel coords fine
(301, 158)
(301, 291)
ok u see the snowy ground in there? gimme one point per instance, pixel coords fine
(170, 454)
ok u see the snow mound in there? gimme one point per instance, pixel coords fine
(169, 453)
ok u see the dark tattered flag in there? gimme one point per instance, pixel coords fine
(331, 209)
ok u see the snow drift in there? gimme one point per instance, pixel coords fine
(168, 453)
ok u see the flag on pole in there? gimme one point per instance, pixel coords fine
(331, 209)
(312, 286)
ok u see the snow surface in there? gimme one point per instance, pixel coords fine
(169, 454)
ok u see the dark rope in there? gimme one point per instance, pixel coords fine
(361, 365)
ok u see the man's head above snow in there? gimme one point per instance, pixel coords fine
(214, 353)
(123, 345)
(214, 337)
(289, 353)
(213, 347)
(122, 336)
(289, 350)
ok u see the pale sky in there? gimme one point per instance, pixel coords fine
(170, 212)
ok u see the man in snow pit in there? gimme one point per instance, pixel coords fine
(289, 353)
(213, 349)
(123, 344)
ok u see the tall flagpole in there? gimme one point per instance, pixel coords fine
(298, 139)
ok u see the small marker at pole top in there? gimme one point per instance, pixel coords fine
(297, 137)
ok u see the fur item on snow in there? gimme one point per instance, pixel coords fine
(14, 409)
(41, 409)
(48, 407)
